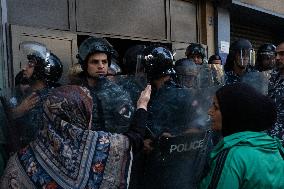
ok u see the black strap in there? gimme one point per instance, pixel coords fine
(281, 153)
(218, 169)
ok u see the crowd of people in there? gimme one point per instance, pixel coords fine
(143, 123)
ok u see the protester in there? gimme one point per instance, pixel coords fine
(68, 154)
(246, 157)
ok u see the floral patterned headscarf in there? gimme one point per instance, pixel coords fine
(66, 153)
(71, 104)
(65, 146)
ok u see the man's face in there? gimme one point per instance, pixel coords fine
(280, 56)
(197, 59)
(242, 58)
(216, 62)
(28, 69)
(97, 65)
(268, 61)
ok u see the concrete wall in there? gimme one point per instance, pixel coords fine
(274, 6)
(222, 34)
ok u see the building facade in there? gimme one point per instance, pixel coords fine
(63, 24)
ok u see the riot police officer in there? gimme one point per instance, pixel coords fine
(42, 69)
(112, 108)
(187, 73)
(240, 57)
(196, 52)
(258, 77)
(276, 92)
(215, 64)
(170, 117)
(133, 82)
(266, 56)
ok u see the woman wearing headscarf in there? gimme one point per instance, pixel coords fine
(68, 154)
(246, 157)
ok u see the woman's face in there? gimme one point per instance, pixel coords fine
(215, 115)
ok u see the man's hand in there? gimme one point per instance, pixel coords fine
(144, 98)
(27, 104)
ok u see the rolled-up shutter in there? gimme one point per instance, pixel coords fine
(257, 35)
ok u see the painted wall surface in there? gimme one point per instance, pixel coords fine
(223, 32)
(276, 6)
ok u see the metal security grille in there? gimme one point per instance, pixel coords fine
(256, 34)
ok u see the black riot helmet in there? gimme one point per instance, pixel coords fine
(187, 72)
(53, 69)
(158, 62)
(243, 49)
(94, 45)
(266, 56)
(195, 48)
(47, 66)
(131, 59)
(267, 48)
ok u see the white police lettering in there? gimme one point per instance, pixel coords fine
(186, 146)
(149, 57)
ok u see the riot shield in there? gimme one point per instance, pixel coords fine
(23, 108)
(205, 76)
(10, 98)
(184, 158)
(186, 71)
(179, 126)
(217, 72)
(112, 106)
(258, 80)
(132, 84)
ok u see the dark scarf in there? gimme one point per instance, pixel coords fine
(244, 109)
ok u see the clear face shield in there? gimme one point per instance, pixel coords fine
(245, 57)
(140, 68)
(187, 76)
(30, 51)
(268, 59)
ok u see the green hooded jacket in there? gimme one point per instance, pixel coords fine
(253, 161)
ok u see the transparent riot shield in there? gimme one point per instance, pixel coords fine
(205, 76)
(217, 73)
(132, 84)
(23, 108)
(186, 71)
(113, 107)
(10, 98)
(179, 127)
(258, 80)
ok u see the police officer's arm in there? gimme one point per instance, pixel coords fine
(27, 104)
(136, 131)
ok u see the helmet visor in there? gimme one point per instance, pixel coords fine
(30, 52)
(246, 57)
